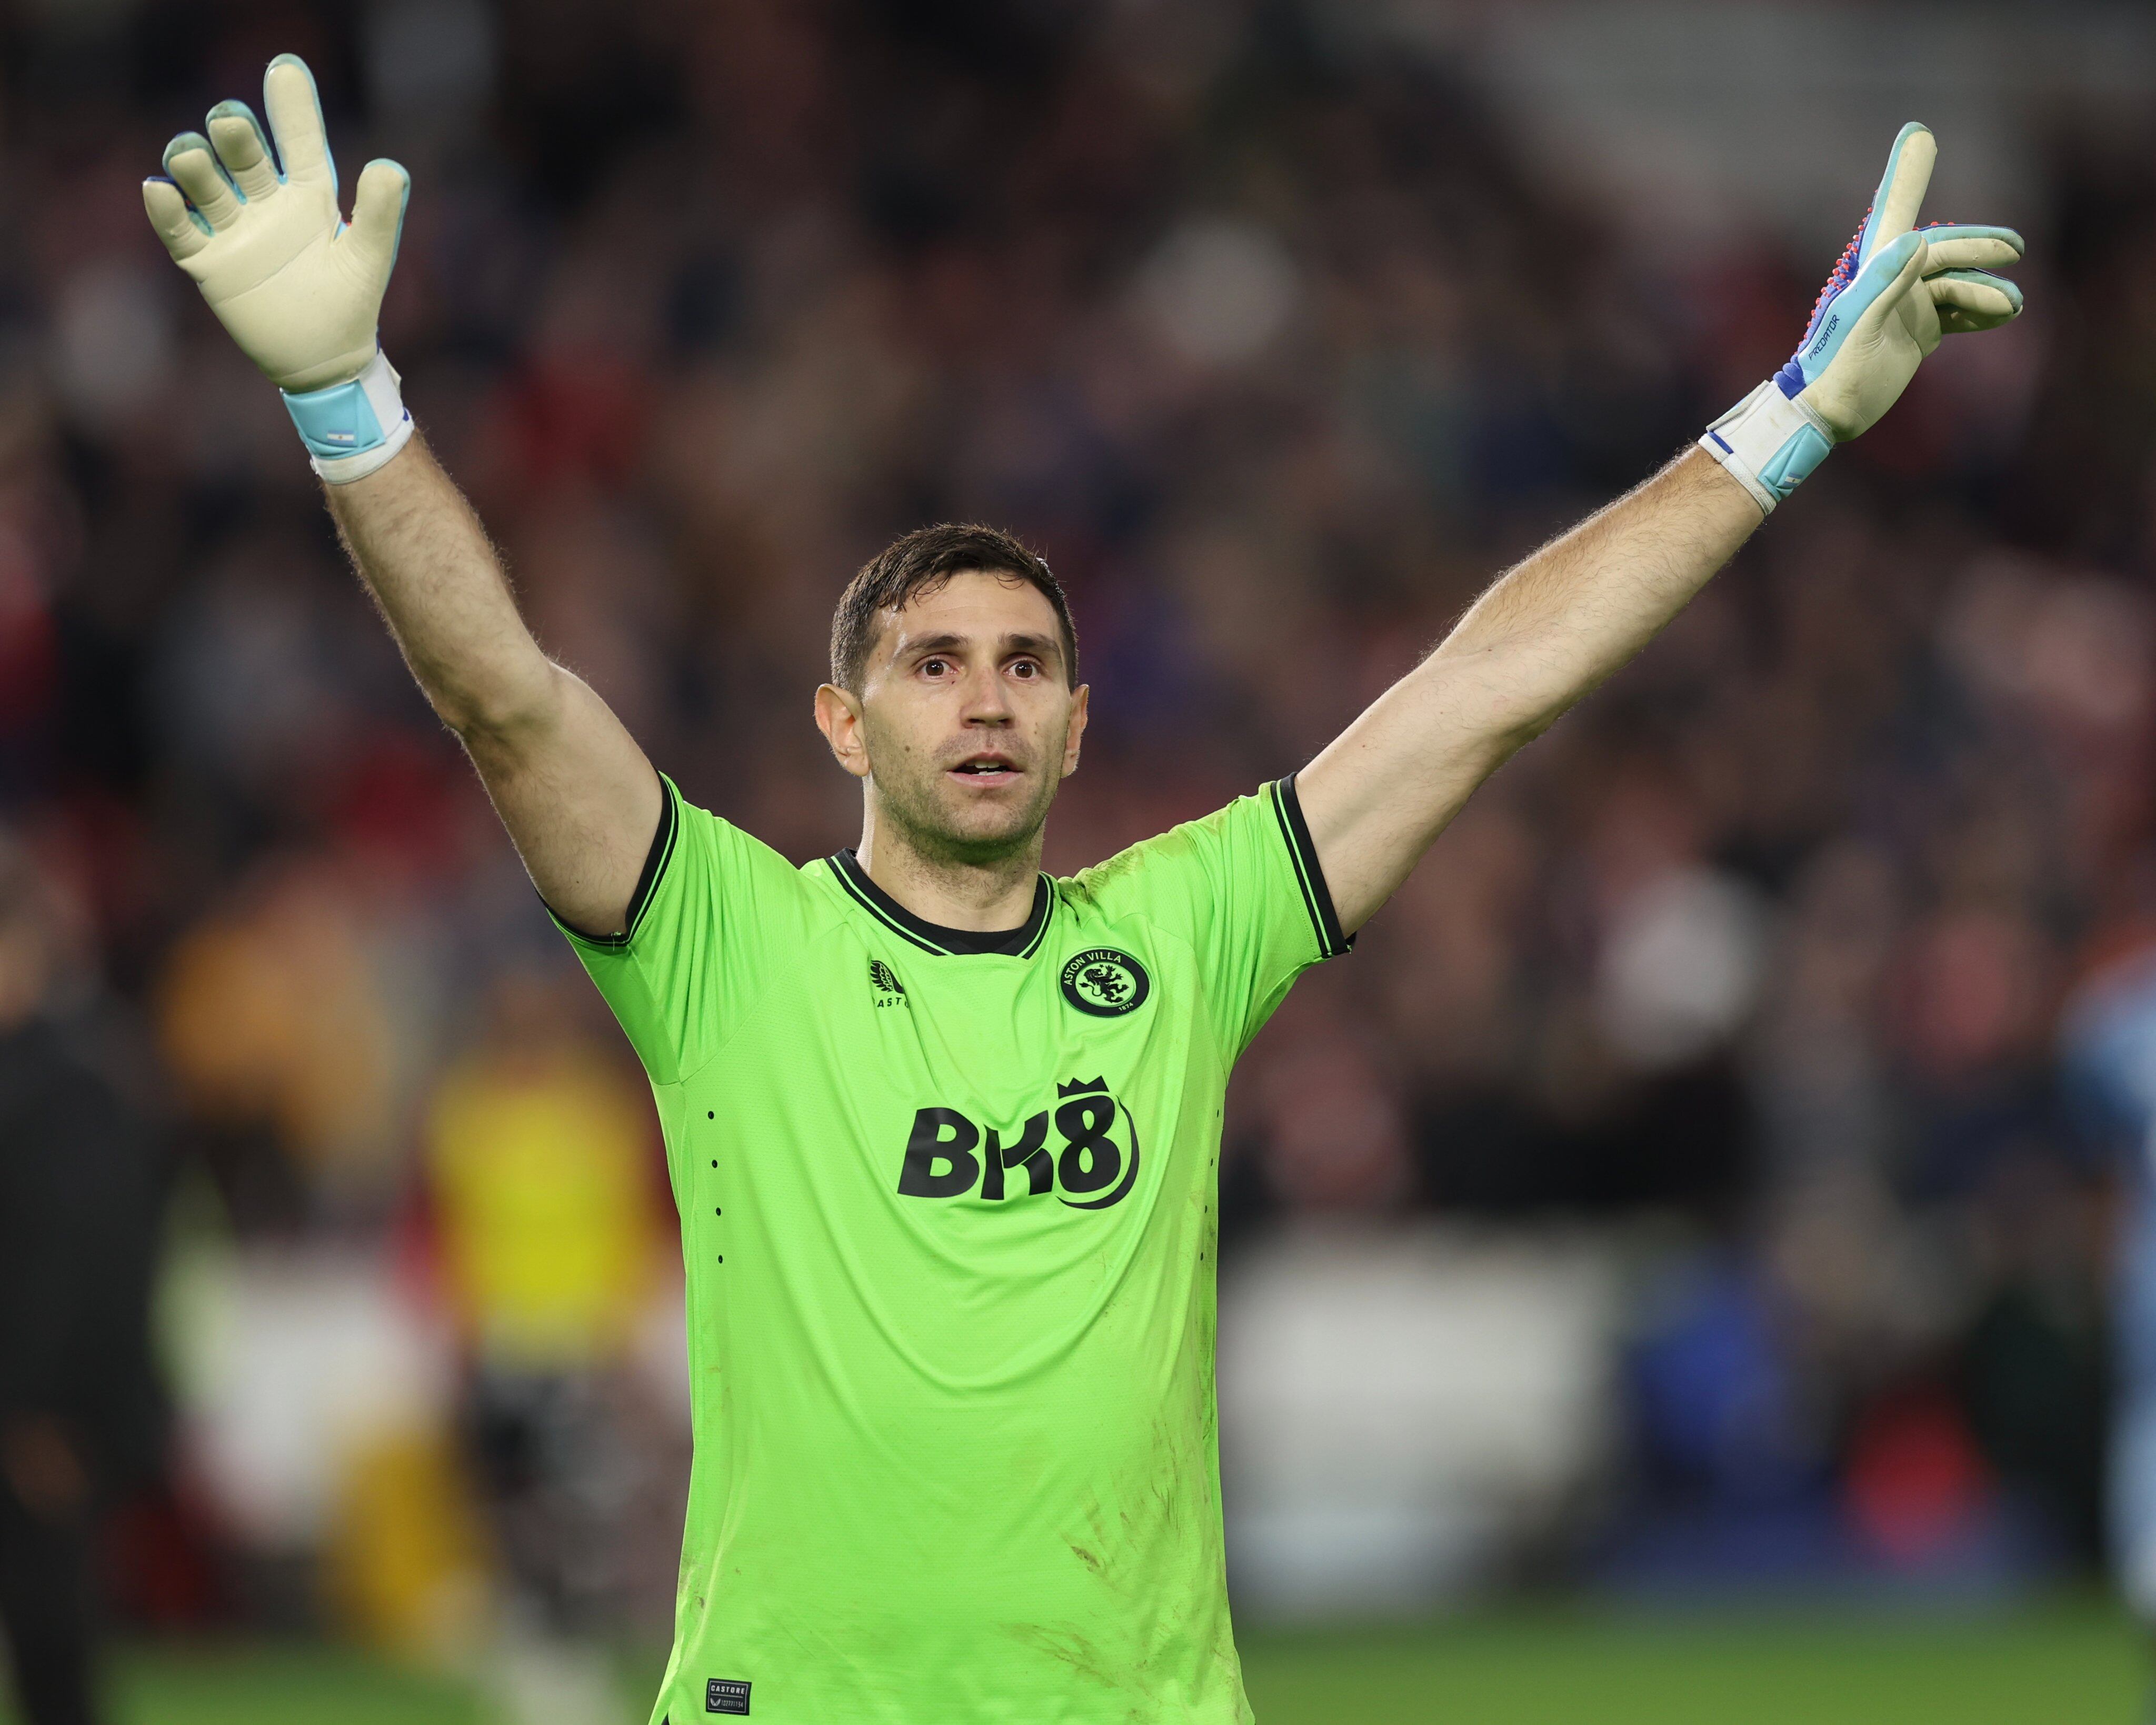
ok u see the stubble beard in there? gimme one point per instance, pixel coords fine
(920, 805)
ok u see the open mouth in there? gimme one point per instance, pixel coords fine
(987, 769)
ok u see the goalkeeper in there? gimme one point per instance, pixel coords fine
(943, 1130)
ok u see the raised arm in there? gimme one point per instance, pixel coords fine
(1549, 630)
(1537, 640)
(580, 800)
(300, 292)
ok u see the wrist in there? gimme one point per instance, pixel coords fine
(1769, 442)
(352, 429)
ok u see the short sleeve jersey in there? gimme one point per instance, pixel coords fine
(948, 1210)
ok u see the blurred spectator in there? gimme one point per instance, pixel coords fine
(2109, 1046)
(543, 1170)
(81, 1190)
(275, 1025)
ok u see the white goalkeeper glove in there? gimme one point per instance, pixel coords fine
(296, 288)
(1893, 295)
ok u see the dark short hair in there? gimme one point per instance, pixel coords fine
(922, 561)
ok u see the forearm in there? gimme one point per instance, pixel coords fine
(427, 563)
(1557, 624)
(1541, 636)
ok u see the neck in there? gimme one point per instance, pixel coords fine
(981, 897)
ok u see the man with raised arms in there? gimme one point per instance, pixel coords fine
(942, 1130)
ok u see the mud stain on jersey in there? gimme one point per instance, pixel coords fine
(1073, 1649)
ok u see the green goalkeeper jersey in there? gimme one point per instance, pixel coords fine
(948, 1213)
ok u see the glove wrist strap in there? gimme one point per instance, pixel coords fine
(1770, 442)
(351, 429)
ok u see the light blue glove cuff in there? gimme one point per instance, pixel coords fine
(1770, 441)
(350, 429)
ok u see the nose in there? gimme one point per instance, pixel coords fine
(986, 702)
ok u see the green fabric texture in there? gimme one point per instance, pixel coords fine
(948, 1221)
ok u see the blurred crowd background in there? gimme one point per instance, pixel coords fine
(1682, 1184)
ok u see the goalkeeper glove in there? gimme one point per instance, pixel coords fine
(1895, 292)
(292, 284)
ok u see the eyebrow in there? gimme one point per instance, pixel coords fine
(1046, 647)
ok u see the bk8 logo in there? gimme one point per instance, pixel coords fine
(947, 1155)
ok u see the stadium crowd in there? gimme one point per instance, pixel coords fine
(1272, 339)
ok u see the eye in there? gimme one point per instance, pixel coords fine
(1026, 668)
(931, 667)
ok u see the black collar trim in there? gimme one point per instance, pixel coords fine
(1020, 942)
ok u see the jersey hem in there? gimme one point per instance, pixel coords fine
(647, 881)
(1309, 876)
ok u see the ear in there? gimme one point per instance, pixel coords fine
(838, 717)
(1076, 734)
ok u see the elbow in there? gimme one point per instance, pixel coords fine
(1525, 728)
(1505, 700)
(1515, 720)
(498, 718)
(474, 720)
(1532, 697)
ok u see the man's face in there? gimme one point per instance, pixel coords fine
(965, 723)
